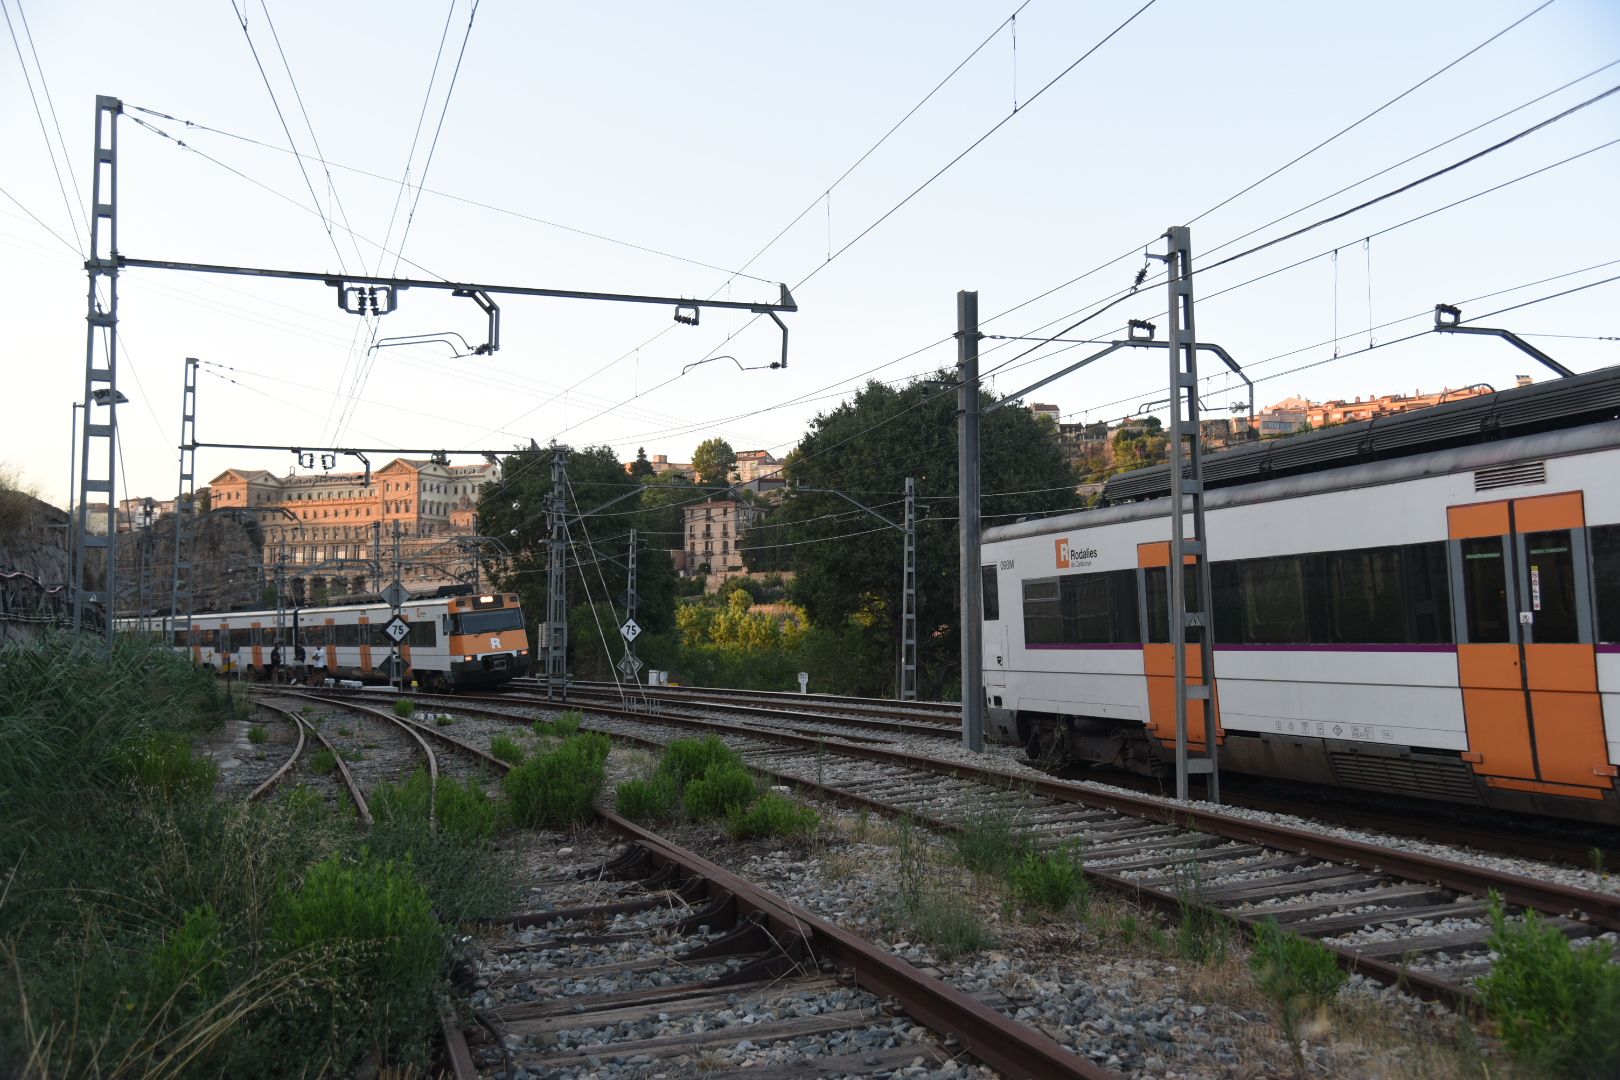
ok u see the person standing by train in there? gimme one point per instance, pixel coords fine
(275, 662)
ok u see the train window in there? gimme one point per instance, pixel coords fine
(992, 597)
(1605, 542)
(423, 635)
(207, 638)
(1274, 601)
(242, 639)
(1428, 594)
(1043, 622)
(1485, 590)
(348, 635)
(1158, 602)
(489, 622)
(1551, 587)
(1364, 594)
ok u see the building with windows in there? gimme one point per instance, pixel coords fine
(714, 531)
(1295, 414)
(336, 531)
(754, 464)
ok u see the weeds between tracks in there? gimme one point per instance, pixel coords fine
(148, 929)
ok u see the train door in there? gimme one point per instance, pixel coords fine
(994, 639)
(1526, 661)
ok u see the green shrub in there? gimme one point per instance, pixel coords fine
(191, 963)
(772, 815)
(322, 762)
(652, 799)
(507, 749)
(688, 759)
(1299, 974)
(1051, 882)
(556, 788)
(373, 923)
(717, 791)
(405, 708)
(464, 810)
(567, 723)
(163, 763)
(947, 920)
(1557, 1007)
(258, 734)
(444, 719)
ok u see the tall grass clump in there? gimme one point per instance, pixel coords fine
(258, 734)
(1556, 1006)
(932, 910)
(772, 816)
(651, 799)
(556, 788)
(1053, 882)
(149, 929)
(72, 715)
(989, 841)
(404, 708)
(507, 749)
(369, 921)
(162, 762)
(1298, 974)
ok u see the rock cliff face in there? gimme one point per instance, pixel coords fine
(34, 595)
(225, 561)
(33, 566)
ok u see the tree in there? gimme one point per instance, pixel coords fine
(713, 461)
(641, 468)
(847, 564)
(514, 509)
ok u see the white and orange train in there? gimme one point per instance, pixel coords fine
(456, 641)
(1426, 604)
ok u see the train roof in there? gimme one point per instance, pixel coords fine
(1549, 406)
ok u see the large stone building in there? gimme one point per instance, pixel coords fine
(714, 532)
(336, 532)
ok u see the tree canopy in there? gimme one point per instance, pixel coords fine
(847, 562)
(713, 461)
(514, 510)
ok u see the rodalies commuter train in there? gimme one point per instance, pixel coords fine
(1426, 604)
(455, 641)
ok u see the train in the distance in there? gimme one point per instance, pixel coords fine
(1425, 604)
(451, 642)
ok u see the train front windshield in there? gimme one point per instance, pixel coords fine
(489, 622)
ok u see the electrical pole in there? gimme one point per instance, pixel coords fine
(967, 438)
(143, 590)
(100, 379)
(630, 610)
(185, 510)
(908, 599)
(556, 634)
(1188, 615)
(396, 674)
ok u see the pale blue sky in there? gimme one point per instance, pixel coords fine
(703, 129)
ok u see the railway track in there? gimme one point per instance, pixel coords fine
(1547, 840)
(708, 942)
(661, 960)
(1392, 915)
